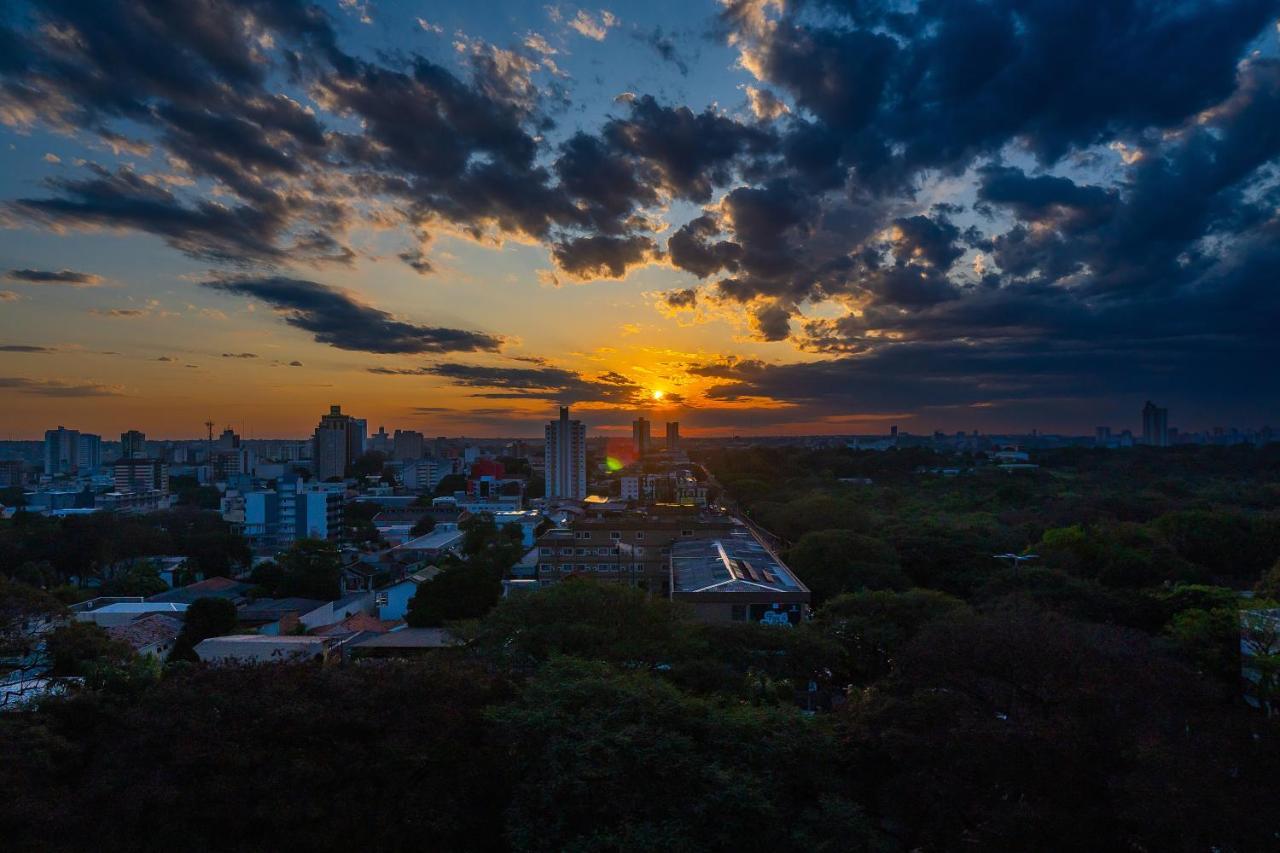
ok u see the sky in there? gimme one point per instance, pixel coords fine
(750, 216)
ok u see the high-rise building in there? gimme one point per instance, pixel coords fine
(1155, 425)
(338, 442)
(61, 451)
(673, 435)
(230, 458)
(133, 444)
(362, 435)
(566, 457)
(640, 437)
(408, 445)
(381, 442)
(1102, 436)
(89, 452)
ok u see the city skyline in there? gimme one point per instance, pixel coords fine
(753, 217)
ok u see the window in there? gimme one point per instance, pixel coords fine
(639, 551)
(380, 599)
(639, 535)
(566, 552)
(686, 532)
(582, 552)
(546, 552)
(615, 534)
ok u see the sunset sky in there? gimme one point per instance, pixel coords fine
(782, 217)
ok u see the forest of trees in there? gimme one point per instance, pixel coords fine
(938, 700)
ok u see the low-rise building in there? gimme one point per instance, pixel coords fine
(260, 648)
(152, 635)
(630, 547)
(735, 578)
(109, 613)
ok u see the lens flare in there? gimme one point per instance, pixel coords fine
(613, 463)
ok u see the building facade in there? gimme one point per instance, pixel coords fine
(1155, 425)
(61, 451)
(338, 442)
(566, 458)
(633, 548)
(641, 437)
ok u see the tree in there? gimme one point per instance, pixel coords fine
(666, 770)
(459, 591)
(1268, 586)
(141, 578)
(26, 613)
(206, 617)
(834, 561)
(312, 568)
(423, 526)
(74, 645)
(875, 625)
(449, 484)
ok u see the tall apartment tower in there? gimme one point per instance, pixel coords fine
(61, 451)
(640, 437)
(133, 445)
(408, 444)
(89, 452)
(338, 442)
(1155, 425)
(673, 435)
(566, 457)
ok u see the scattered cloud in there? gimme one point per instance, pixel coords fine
(594, 27)
(57, 387)
(335, 317)
(71, 278)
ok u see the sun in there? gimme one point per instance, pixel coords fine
(657, 395)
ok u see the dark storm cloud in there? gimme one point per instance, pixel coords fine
(689, 154)
(198, 77)
(687, 298)
(337, 319)
(601, 256)
(536, 383)
(124, 199)
(70, 277)
(1117, 161)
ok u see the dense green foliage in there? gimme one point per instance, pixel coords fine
(205, 618)
(50, 552)
(938, 700)
(594, 718)
(468, 585)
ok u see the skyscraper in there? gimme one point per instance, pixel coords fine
(673, 435)
(566, 457)
(1155, 425)
(89, 452)
(339, 441)
(61, 451)
(640, 437)
(133, 445)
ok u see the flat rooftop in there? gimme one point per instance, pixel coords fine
(141, 607)
(732, 563)
(433, 541)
